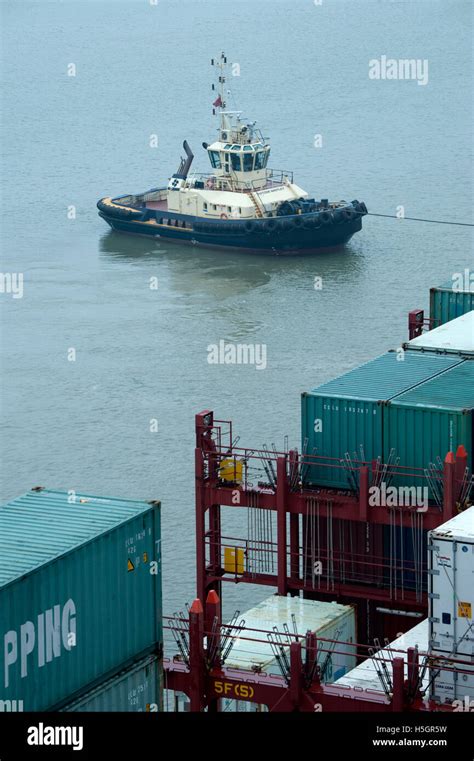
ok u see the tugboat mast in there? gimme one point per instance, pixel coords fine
(221, 64)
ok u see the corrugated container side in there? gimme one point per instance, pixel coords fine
(335, 426)
(447, 304)
(420, 435)
(431, 420)
(71, 613)
(346, 413)
(136, 689)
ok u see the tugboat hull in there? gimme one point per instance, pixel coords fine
(284, 235)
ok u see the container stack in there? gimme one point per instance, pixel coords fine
(401, 413)
(80, 603)
(451, 604)
(348, 415)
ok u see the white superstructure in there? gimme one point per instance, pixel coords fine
(241, 185)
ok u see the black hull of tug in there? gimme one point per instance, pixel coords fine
(286, 234)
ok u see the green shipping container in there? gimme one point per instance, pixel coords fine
(451, 300)
(136, 689)
(431, 420)
(80, 593)
(346, 413)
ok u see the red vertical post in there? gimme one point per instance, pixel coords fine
(213, 632)
(215, 541)
(294, 527)
(459, 469)
(296, 673)
(448, 486)
(196, 656)
(200, 526)
(398, 683)
(294, 547)
(281, 490)
(413, 667)
(416, 319)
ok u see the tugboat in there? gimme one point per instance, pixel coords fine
(241, 204)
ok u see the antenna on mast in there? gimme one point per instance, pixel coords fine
(221, 64)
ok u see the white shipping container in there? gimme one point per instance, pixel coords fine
(365, 676)
(454, 336)
(452, 683)
(328, 620)
(451, 599)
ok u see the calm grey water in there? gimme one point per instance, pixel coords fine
(141, 354)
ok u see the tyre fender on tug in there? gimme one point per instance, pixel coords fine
(284, 225)
(348, 214)
(270, 225)
(326, 217)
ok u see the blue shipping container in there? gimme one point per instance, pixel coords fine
(451, 300)
(80, 593)
(347, 413)
(137, 689)
(429, 421)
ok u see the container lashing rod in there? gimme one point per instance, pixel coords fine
(279, 653)
(311, 660)
(327, 660)
(181, 635)
(228, 640)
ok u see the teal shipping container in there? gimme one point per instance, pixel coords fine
(346, 413)
(431, 420)
(136, 689)
(80, 593)
(451, 299)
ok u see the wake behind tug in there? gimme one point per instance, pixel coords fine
(242, 204)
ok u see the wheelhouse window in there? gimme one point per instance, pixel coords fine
(235, 159)
(215, 159)
(260, 160)
(248, 162)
